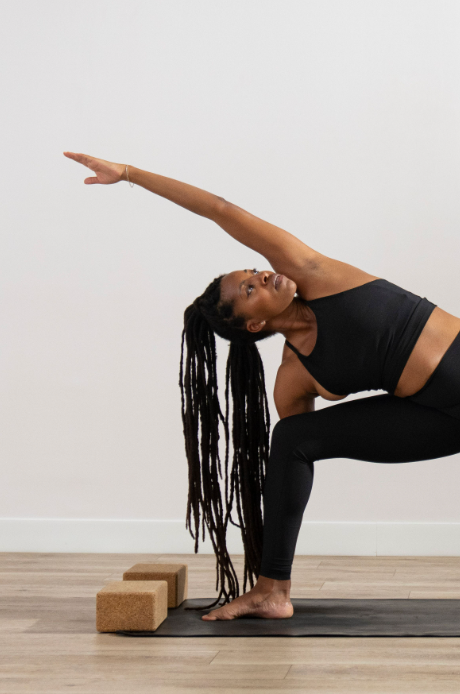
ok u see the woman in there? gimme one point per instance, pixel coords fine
(346, 331)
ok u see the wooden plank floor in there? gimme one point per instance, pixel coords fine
(49, 643)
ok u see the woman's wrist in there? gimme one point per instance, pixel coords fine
(131, 174)
(125, 173)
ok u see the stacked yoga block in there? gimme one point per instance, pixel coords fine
(140, 601)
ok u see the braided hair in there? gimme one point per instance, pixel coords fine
(207, 315)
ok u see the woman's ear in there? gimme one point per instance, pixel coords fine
(255, 326)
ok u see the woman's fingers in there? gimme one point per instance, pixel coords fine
(81, 159)
(106, 172)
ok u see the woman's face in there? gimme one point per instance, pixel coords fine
(258, 296)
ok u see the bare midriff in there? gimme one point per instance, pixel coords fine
(436, 337)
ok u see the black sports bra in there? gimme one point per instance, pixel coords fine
(364, 336)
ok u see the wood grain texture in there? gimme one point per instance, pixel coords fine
(48, 640)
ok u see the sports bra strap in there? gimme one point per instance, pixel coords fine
(294, 349)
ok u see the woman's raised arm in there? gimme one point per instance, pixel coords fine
(285, 252)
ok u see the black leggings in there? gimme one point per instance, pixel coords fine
(379, 429)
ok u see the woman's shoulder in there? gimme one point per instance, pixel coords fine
(294, 386)
(293, 376)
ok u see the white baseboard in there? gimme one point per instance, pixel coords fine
(171, 537)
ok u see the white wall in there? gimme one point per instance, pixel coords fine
(337, 120)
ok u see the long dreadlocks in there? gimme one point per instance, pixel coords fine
(250, 434)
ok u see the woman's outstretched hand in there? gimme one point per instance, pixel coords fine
(106, 171)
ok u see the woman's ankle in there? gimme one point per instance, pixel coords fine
(272, 585)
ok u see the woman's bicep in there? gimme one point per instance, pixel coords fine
(284, 251)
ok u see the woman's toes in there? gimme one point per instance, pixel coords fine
(220, 613)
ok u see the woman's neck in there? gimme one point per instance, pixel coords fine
(296, 319)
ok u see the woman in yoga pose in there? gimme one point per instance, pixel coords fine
(346, 331)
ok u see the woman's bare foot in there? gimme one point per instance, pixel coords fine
(269, 599)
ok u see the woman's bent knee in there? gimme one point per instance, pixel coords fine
(289, 432)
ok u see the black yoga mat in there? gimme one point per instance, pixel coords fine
(321, 618)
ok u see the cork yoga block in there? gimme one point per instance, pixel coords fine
(131, 606)
(176, 576)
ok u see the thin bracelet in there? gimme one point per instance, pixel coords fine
(131, 184)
